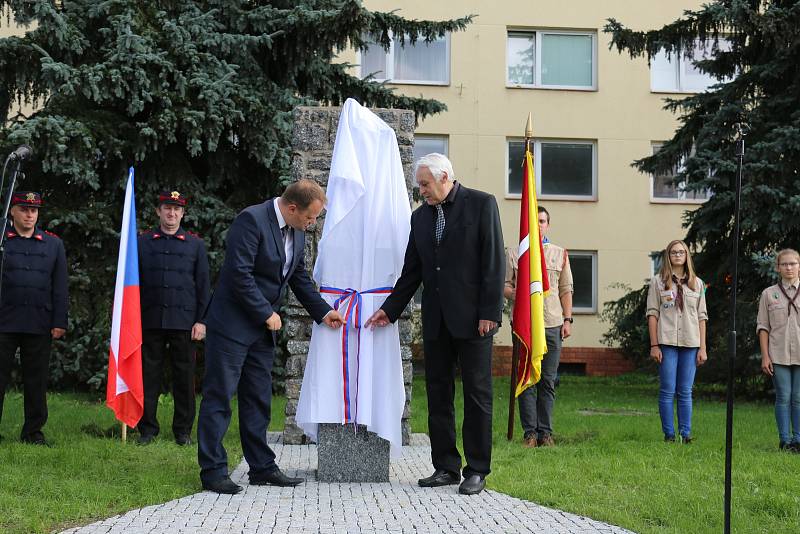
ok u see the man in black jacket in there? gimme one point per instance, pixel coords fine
(456, 250)
(264, 256)
(173, 274)
(33, 307)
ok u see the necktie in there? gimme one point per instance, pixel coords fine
(285, 233)
(439, 223)
(679, 290)
(791, 300)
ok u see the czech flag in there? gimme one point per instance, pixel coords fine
(532, 285)
(125, 393)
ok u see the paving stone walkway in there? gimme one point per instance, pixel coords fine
(397, 506)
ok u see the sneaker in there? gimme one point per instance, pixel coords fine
(669, 439)
(530, 440)
(788, 447)
(795, 447)
(686, 440)
(547, 441)
(183, 440)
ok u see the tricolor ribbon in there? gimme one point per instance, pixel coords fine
(352, 319)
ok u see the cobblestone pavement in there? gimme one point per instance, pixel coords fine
(397, 506)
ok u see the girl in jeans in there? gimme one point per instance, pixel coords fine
(778, 328)
(676, 320)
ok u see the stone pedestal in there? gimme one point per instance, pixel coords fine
(313, 137)
(346, 454)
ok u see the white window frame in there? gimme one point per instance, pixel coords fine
(444, 137)
(390, 65)
(655, 256)
(677, 60)
(593, 309)
(537, 157)
(681, 198)
(537, 61)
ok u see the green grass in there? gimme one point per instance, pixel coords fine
(84, 478)
(613, 465)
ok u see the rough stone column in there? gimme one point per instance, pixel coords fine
(313, 137)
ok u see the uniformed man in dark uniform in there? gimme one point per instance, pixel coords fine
(33, 307)
(174, 285)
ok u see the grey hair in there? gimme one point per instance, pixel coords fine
(438, 164)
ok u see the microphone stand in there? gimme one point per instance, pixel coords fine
(17, 162)
(741, 131)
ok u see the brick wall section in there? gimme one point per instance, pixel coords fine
(599, 361)
(313, 136)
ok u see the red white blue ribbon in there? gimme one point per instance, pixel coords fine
(352, 299)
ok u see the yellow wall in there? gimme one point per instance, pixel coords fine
(623, 115)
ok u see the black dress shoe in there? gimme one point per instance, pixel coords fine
(223, 485)
(183, 439)
(35, 439)
(146, 439)
(472, 485)
(275, 478)
(440, 477)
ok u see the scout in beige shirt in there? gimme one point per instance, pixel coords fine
(676, 321)
(778, 328)
(536, 403)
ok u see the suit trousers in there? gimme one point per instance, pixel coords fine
(35, 361)
(157, 345)
(474, 356)
(233, 367)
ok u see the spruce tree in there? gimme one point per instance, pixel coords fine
(197, 95)
(760, 87)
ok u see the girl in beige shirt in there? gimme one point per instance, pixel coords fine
(778, 328)
(676, 320)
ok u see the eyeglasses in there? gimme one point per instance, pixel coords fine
(789, 264)
(677, 253)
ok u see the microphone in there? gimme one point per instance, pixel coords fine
(22, 153)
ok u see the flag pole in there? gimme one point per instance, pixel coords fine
(512, 396)
(124, 433)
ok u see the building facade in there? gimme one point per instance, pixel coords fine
(594, 112)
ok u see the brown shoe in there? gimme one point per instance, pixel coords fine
(547, 441)
(530, 441)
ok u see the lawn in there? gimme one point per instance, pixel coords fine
(610, 463)
(83, 478)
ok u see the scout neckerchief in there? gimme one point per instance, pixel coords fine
(679, 291)
(791, 300)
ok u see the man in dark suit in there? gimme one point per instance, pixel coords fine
(456, 250)
(264, 254)
(174, 282)
(33, 310)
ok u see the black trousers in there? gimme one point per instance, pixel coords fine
(474, 356)
(35, 360)
(157, 346)
(246, 370)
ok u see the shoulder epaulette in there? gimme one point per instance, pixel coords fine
(193, 234)
(48, 232)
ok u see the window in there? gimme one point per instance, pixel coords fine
(565, 170)
(584, 276)
(678, 74)
(552, 59)
(425, 144)
(655, 261)
(663, 187)
(420, 63)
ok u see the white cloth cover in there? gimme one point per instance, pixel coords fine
(362, 247)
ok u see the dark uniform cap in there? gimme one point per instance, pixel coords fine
(171, 197)
(27, 198)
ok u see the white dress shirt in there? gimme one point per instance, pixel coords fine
(288, 242)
